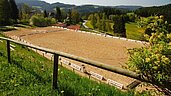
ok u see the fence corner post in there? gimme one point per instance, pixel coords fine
(8, 51)
(55, 72)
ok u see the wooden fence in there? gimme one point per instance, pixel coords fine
(76, 58)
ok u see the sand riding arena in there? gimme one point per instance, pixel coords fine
(105, 49)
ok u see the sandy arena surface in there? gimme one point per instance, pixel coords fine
(103, 49)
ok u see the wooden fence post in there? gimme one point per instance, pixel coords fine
(55, 71)
(8, 51)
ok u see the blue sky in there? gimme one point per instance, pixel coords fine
(114, 2)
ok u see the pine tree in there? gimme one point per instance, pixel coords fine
(58, 14)
(1, 11)
(63, 15)
(75, 16)
(24, 12)
(108, 27)
(93, 21)
(45, 13)
(4, 12)
(14, 13)
(119, 26)
(68, 19)
(8, 12)
(98, 23)
(103, 22)
(97, 20)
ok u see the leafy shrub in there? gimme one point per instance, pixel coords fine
(24, 21)
(40, 21)
(154, 61)
(148, 31)
(153, 24)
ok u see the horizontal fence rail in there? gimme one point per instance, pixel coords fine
(76, 58)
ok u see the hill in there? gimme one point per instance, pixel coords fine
(128, 7)
(42, 5)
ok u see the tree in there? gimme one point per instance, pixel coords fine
(98, 22)
(24, 12)
(4, 12)
(40, 21)
(112, 11)
(104, 22)
(119, 25)
(45, 13)
(132, 17)
(14, 13)
(108, 27)
(93, 21)
(75, 16)
(68, 20)
(58, 14)
(63, 15)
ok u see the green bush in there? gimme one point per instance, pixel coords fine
(24, 21)
(154, 61)
(40, 21)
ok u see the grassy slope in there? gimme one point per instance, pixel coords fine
(132, 31)
(31, 75)
(88, 24)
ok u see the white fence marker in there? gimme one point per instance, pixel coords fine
(74, 66)
(115, 37)
(97, 76)
(65, 61)
(114, 83)
(12, 45)
(123, 38)
(12, 48)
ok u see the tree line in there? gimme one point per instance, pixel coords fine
(103, 20)
(156, 11)
(10, 14)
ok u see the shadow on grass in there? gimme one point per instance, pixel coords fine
(68, 91)
(20, 65)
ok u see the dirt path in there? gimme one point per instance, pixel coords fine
(103, 49)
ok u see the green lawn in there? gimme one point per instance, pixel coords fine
(31, 75)
(132, 31)
(88, 24)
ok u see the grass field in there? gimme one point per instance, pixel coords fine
(132, 31)
(30, 74)
(88, 24)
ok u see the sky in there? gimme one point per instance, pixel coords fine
(113, 2)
